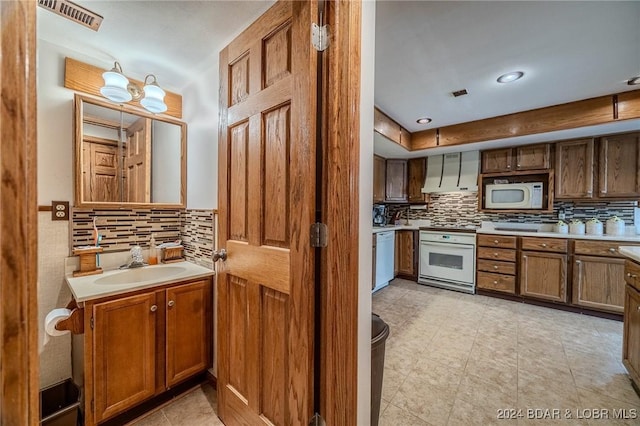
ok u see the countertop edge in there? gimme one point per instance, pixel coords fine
(627, 238)
(630, 252)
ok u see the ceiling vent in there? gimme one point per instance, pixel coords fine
(73, 12)
(459, 93)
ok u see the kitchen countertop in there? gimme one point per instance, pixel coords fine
(85, 288)
(631, 252)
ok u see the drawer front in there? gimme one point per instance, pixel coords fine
(600, 248)
(497, 267)
(497, 282)
(496, 254)
(632, 274)
(544, 244)
(499, 241)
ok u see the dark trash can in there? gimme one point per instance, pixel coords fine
(379, 334)
(59, 405)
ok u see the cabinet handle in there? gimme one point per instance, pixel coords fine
(518, 165)
(495, 241)
(171, 303)
(589, 192)
(508, 166)
(544, 244)
(612, 250)
(154, 308)
(495, 282)
(578, 262)
(638, 308)
(524, 257)
(495, 266)
(630, 275)
(495, 254)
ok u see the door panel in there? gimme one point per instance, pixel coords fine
(138, 162)
(267, 177)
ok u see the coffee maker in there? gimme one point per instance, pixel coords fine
(379, 215)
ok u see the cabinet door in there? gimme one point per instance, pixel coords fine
(188, 330)
(543, 275)
(416, 169)
(497, 160)
(396, 181)
(631, 335)
(405, 253)
(574, 169)
(533, 157)
(598, 283)
(619, 166)
(124, 353)
(378, 179)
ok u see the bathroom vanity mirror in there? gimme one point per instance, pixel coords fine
(127, 158)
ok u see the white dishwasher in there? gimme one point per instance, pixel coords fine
(385, 256)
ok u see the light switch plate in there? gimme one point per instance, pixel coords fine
(59, 210)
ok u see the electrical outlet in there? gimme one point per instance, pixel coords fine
(59, 210)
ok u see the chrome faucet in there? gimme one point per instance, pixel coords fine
(136, 260)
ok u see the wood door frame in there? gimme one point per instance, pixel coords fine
(341, 174)
(18, 217)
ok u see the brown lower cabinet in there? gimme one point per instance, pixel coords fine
(598, 283)
(631, 333)
(139, 346)
(406, 254)
(543, 275)
(496, 263)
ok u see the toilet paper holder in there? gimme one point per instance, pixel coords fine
(75, 322)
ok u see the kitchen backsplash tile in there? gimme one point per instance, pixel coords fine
(461, 209)
(198, 236)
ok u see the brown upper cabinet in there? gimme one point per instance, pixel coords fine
(379, 166)
(416, 170)
(529, 157)
(387, 127)
(396, 181)
(619, 166)
(574, 169)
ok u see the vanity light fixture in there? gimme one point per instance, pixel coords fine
(510, 76)
(634, 81)
(424, 120)
(118, 88)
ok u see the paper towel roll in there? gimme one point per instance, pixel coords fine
(52, 319)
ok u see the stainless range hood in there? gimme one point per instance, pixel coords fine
(457, 171)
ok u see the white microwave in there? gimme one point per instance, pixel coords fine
(526, 195)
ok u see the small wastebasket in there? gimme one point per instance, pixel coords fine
(379, 334)
(59, 405)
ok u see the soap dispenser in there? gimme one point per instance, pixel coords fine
(153, 251)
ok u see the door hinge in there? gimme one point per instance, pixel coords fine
(91, 323)
(319, 37)
(318, 235)
(317, 420)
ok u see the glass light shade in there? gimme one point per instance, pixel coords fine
(153, 99)
(115, 87)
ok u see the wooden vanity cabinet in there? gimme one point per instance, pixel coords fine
(631, 333)
(543, 272)
(139, 346)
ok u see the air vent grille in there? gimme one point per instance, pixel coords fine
(73, 12)
(461, 92)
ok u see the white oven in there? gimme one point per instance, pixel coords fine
(447, 260)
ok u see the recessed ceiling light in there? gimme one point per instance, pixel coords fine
(424, 120)
(633, 81)
(510, 76)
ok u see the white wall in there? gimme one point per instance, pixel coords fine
(165, 163)
(365, 202)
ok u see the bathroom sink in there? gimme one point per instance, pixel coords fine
(141, 274)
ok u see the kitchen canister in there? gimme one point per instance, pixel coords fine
(576, 227)
(594, 227)
(561, 227)
(615, 226)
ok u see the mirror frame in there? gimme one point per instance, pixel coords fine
(78, 102)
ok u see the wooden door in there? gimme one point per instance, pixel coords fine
(266, 207)
(137, 162)
(533, 157)
(188, 330)
(497, 160)
(574, 169)
(378, 179)
(543, 275)
(102, 172)
(396, 181)
(631, 334)
(619, 166)
(598, 283)
(124, 353)
(416, 170)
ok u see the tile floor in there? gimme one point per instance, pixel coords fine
(457, 359)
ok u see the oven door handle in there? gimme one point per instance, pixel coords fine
(456, 246)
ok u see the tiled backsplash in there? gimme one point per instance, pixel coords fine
(460, 209)
(122, 229)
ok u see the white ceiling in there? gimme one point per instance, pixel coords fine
(567, 50)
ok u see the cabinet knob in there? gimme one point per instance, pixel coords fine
(612, 250)
(171, 303)
(578, 262)
(518, 165)
(495, 254)
(154, 308)
(495, 282)
(495, 266)
(495, 241)
(638, 308)
(544, 244)
(508, 166)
